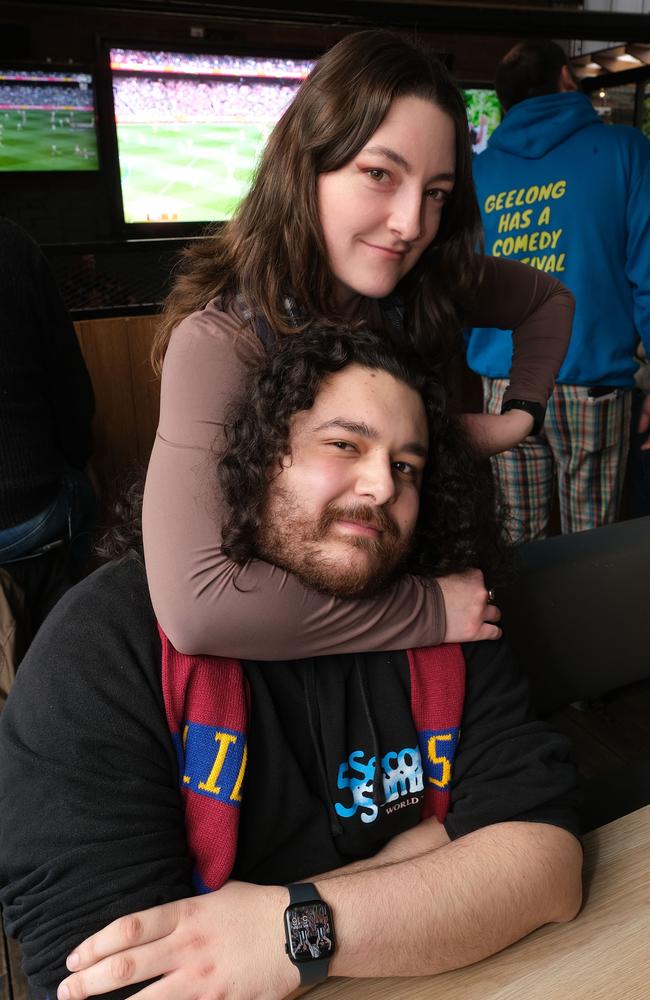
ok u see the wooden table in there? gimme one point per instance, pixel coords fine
(603, 954)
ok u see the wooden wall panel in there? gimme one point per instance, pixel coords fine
(145, 383)
(127, 394)
(106, 351)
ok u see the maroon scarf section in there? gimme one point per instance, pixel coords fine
(207, 706)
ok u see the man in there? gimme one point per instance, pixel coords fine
(566, 194)
(344, 769)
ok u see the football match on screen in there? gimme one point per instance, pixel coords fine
(191, 128)
(47, 121)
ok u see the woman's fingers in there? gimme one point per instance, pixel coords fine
(468, 607)
(487, 631)
(492, 613)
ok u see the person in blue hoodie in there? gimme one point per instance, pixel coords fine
(566, 194)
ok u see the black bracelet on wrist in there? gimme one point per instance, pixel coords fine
(536, 410)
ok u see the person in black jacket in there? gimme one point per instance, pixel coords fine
(46, 409)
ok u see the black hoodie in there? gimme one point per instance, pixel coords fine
(91, 820)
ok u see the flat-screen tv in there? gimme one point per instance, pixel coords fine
(190, 127)
(47, 120)
(483, 115)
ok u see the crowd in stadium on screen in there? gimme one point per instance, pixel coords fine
(170, 100)
(197, 63)
(38, 96)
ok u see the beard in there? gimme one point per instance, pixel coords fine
(298, 543)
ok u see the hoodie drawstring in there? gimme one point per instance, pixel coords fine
(378, 796)
(313, 718)
(314, 721)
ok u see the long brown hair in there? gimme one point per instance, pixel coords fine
(274, 245)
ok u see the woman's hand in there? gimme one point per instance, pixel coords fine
(228, 944)
(492, 433)
(470, 614)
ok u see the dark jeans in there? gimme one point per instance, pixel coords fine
(70, 516)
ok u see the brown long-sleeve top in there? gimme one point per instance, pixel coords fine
(207, 604)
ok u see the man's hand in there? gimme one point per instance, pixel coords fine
(469, 613)
(644, 422)
(492, 433)
(228, 944)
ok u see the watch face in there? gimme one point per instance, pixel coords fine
(309, 932)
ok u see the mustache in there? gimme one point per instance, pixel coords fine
(375, 517)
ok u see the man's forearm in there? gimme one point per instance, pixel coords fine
(456, 904)
(426, 836)
(436, 911)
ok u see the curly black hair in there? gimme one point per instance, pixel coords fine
(122, 534)
(460, 524)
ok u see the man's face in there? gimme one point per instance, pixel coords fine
(342, 511)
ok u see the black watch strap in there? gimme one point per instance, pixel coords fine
(316, 970)
(536, 410)
(313, 972)
(303, 892)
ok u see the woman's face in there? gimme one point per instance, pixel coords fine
(383, 208)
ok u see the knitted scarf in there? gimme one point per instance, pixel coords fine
(207, 701)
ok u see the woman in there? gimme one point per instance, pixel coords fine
(362, 212)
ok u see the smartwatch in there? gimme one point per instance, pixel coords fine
(536, 410)
(309, 932)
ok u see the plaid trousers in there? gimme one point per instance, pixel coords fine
(582, 447)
